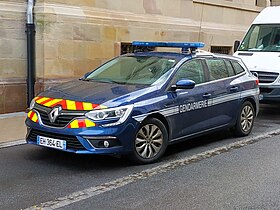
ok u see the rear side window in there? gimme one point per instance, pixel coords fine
(217, 69)
(237, 67)
(229, 68)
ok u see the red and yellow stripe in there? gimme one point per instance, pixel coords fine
(67, 104)
(81, 123)
(33, 116)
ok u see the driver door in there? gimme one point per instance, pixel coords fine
(194, 107)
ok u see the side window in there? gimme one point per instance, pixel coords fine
(229, 68)
(237, 67)
(192, 70)
(217, 69)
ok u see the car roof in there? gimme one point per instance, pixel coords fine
(179, 56)
(172, 55)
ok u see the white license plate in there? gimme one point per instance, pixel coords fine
(261, 97)
(52, 143)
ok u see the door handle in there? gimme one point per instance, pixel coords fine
(233, 89)
(207, 95)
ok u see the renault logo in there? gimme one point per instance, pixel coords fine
(54, 113)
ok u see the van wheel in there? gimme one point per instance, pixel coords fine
(150, 142)
(245, 120)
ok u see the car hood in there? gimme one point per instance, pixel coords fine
(261, 61)
(110, 95)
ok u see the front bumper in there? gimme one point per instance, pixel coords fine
(269, 93)
(87, 140)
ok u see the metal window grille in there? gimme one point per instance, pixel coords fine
(126, 47)
(221, 49)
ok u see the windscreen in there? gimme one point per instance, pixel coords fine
(142, 70)
(264, 38)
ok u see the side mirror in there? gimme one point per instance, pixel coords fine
(85, 76)
(255, 74)
(183, 84)
(236, 45)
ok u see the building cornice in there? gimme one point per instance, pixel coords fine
(231, 5)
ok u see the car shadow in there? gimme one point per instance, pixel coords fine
(108, 162)
(202, 141)
(76, 161)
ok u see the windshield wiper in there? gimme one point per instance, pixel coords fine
(104, 80)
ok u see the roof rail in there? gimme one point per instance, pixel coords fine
(185, 46)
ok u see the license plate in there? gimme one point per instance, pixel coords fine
(261, 97)
(52, 143)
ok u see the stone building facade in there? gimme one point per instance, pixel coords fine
(73, 37)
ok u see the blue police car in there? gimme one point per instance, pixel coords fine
(137, 104)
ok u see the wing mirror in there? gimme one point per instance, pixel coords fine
(183, 84)
(236, 45)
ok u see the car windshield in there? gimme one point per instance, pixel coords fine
(137, 70)
(264, 38)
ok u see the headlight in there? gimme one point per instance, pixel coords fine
(32, 104)
(118, 113)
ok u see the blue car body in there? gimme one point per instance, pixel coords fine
(185, 113)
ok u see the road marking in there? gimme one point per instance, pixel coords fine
(102, 188)
(12, 143)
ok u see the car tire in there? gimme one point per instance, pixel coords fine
(150, 142)
(245, 120)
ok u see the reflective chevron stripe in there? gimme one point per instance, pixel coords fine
(193, 106)
(81, 123)
(32, 116)
(68, 104)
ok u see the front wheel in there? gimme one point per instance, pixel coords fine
(245, 120)
(150, 142)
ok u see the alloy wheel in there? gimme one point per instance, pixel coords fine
(149, 141)
(247, 118)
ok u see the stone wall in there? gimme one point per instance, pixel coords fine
(73, 37)
(12, 56)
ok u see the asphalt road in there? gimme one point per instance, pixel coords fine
(242, 177)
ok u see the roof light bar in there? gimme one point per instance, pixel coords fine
(184, 45)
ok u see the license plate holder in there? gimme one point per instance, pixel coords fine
(51, 142)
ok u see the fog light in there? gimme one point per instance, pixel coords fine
(106, 144)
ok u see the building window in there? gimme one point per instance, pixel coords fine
(221, 49)
(262, 3)
(274, 2)
(126, 47)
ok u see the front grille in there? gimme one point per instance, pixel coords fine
(71, 141)
(266, 77)
(61, 121)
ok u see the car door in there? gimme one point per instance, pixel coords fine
(224, 93)
(194, 106)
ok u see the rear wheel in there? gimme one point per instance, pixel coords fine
(245, 120)
(150, 142)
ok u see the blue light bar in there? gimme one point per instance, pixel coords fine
(183, 45)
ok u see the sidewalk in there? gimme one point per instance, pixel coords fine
(12, 127)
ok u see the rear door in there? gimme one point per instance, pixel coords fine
(224, 90)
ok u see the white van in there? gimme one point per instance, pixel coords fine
(260, 51)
